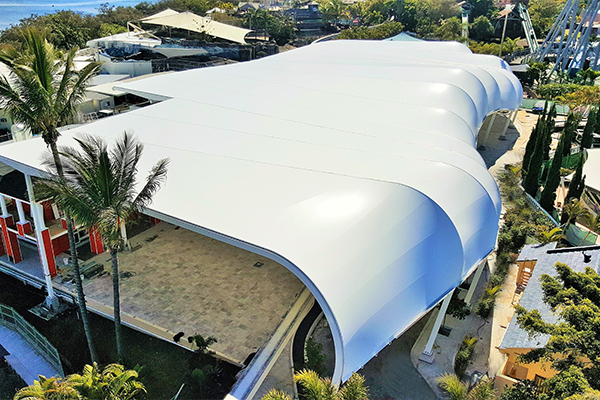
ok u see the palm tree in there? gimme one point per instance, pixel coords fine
(98, 190)
(114, 382)
(317, 388)
(574, 211)
(593, 224)
(553, 235)
(47, 388)
(42, 92)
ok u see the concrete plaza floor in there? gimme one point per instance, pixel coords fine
(186, 282)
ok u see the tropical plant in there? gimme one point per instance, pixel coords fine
(464, 354)
(314, 357)
(99, 190)
(275, 394)
(114, 382)
(538, 71)
(593, 224)
(581, 99)
(42, 92)
(553, 235)
(332, 10)
(573, 211)
(455, 389)
(314, 387)
(47, 388)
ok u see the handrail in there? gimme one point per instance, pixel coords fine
(14, 321)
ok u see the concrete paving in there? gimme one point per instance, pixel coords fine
(391, 374)
(186, 282)
(23, 358)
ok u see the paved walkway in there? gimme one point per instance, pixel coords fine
(391, 374)
(185, 282)
(23, 358)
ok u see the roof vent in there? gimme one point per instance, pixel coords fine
(586, 257)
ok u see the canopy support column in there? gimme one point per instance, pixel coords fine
(428, 351)
(487, 133)
(476, 278)
(509, 118)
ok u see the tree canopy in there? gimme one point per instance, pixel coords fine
(573, 348)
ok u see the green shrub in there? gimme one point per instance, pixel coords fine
(553, 90)
(383, 31)
(464, 354)
(314, 357)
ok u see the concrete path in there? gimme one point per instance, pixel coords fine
(23, 358)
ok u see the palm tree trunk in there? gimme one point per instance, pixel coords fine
(75, 265)
(117, 302)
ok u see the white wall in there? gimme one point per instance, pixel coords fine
(131, 68)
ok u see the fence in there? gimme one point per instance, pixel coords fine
(14, 321)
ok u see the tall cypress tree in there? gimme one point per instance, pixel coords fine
(550, 123)
(531, 183)
(597, 126)
(529, 148)
(577, 183)
(588, 131)
(570, 130)
(549, 193)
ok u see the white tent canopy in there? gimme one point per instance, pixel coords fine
(350, 163)
(195, 23)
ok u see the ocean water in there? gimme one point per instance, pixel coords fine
(11, 11)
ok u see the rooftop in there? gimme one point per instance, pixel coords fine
(533, 296)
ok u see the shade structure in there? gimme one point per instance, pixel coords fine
(195, 23)
(351, 163)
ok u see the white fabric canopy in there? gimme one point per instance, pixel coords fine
(351, 163)
(192, 22)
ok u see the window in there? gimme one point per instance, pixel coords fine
(3, 120)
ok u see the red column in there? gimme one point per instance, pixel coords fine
(48, 253)
(96, 241)
(10, 239)
(24, 227)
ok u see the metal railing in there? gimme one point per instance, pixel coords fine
(14, 321)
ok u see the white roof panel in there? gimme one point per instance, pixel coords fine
(358, 173)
